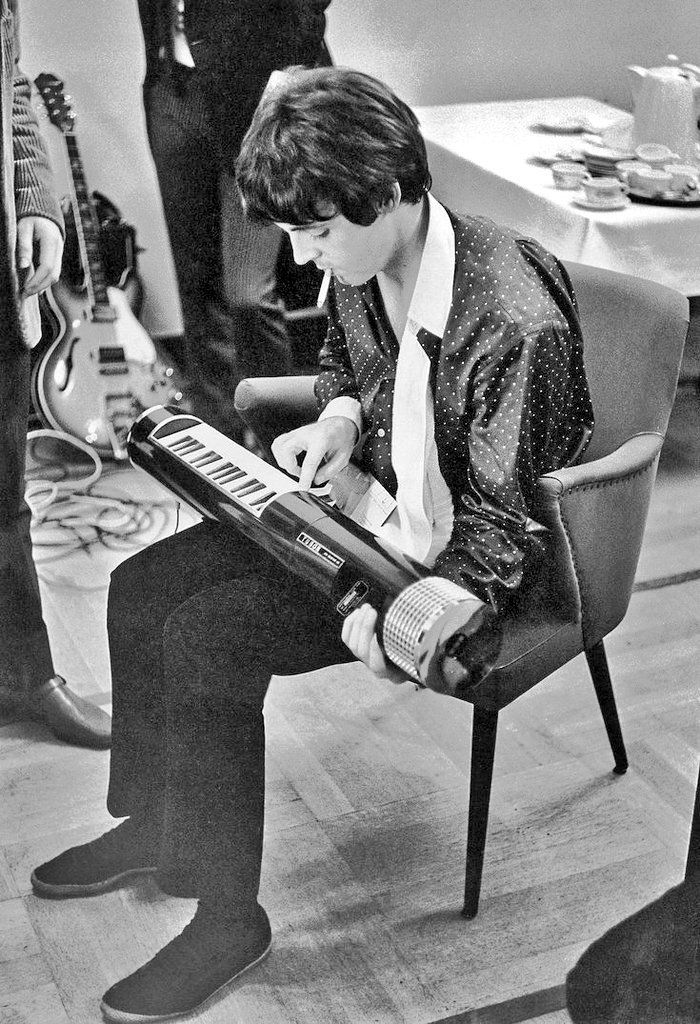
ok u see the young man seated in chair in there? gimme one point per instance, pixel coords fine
(453, 369)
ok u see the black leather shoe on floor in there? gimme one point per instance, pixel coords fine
(97, 866)
(70, 717)
(207, 956)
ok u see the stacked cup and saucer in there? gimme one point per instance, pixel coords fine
(606, 192)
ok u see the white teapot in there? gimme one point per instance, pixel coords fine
(666, 106)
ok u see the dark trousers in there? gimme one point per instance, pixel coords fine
(197, 625)
(225, 266)
(25, 656)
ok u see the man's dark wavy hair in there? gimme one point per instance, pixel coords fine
(328, 141)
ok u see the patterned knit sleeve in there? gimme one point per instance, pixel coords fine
(34, 188)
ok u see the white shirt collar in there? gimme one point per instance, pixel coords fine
(432, 296)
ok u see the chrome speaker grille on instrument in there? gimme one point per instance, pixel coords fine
(412, 614)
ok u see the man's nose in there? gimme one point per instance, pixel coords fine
(303, 248)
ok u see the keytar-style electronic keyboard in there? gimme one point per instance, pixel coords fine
(439, 634)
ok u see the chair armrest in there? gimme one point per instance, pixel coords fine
(597, 512)
(628, 458)
(270, 406)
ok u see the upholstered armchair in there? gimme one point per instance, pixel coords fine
(595, 512)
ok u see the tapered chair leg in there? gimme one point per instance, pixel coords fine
(484, 728)
(598, 665)
(693, 862)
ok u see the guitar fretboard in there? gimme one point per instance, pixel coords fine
(88, 230)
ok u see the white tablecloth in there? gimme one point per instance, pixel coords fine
(481, 157)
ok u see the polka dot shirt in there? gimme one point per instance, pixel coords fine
(510, 395)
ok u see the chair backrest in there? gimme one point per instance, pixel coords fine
(633, 336)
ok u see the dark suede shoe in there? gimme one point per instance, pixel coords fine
(98, 866)
(207, 956)
(71, 717)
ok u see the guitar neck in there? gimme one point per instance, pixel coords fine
(88, 231)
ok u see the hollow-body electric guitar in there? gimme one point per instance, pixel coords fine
(100, 369)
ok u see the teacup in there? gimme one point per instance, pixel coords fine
(654, 154)
(652, 180)
(604, 190)
(625, 169)
(628, 170)
(683, 176)
(567, 174)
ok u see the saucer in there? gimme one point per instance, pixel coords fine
(561, 126)
(666, 198)
(572, 125)
(547, 159)
(618, 203)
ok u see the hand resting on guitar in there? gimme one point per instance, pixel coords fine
(38, 238)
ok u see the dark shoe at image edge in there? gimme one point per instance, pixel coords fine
(190, 971)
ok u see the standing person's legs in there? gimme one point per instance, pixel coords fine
(26, 662)
(188, 176)
(249, 254)
(28, 683)
(233, 320)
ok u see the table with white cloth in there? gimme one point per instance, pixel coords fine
(484, 161)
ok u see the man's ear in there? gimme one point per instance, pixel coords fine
(394, 200)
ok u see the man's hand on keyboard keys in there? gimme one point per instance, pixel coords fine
(327, 444)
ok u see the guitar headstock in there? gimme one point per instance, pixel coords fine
(57, 104)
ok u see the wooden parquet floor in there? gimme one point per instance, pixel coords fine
(365, 830)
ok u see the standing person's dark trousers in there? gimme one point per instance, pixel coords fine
(233, 318)
(26, 657)
(196, 119)
(31, 246)
(28, 684)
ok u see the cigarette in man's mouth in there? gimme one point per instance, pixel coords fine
(323, 290)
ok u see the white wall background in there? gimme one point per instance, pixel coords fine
(428, 51)
(461, 50)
